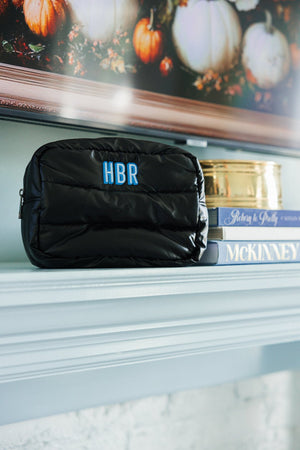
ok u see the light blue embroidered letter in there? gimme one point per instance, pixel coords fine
(108, 172)
(132, 171)
(120, 173)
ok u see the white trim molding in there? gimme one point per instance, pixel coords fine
(71, 339)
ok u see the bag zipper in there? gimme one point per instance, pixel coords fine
(23, 201)
(21, 194)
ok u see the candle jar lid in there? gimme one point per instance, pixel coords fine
(242, 183)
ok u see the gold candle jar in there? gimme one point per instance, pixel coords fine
(243, 184)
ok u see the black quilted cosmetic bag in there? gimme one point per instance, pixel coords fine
(113, 202)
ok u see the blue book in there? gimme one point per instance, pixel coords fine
(247, 217)
(251, 252)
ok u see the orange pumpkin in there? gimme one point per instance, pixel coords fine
(44, 17)
(148, 42)
(166, 66)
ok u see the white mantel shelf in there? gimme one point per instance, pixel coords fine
(72, 339)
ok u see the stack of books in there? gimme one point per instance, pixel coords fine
(252, 236)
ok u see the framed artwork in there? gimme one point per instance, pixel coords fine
(223, 69)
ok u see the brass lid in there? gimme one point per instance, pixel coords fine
(237, 161)
(242, 183)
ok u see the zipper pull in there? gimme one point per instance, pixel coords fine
(21, 194)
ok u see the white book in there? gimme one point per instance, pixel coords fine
(254, 233)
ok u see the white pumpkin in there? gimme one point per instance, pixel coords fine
(102, 18)
(266, 54)
(207, 35)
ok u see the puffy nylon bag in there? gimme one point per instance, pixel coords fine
(113, 202)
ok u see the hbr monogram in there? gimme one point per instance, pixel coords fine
(116, 173)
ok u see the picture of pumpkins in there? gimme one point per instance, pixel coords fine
(236, 53)
(268, 68)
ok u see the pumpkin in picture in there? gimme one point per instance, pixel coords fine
(207, 35)
(100, 19)
(266, 54)
(44, 17)
(166, 66)
(148, 41)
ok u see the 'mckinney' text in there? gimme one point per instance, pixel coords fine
(261, 251)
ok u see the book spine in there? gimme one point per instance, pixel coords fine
(240, 217)
(255, 252)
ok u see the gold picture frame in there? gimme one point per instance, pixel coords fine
(105, 105)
